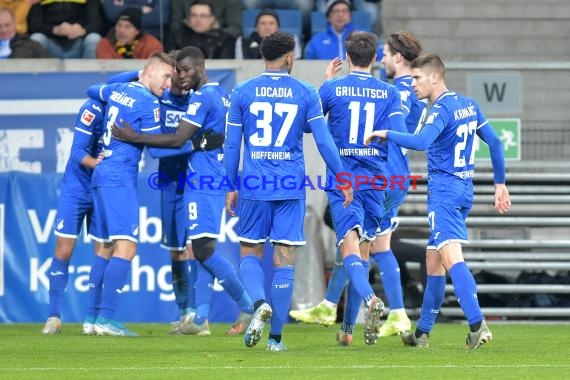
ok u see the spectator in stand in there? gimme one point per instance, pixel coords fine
(305, 6)
(372, 7)
(266, 23)
(127, 39)
(20, 9)
(152, 14)
(66, 28)
(200, 30)
(14, 44)
(229, 14)
(330, 43)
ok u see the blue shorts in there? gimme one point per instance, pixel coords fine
(117, 210)
(74, 206)
(281, 221)
(203, 214)
(447, 224)
(173, 216)
(392, 202)
(364, 213)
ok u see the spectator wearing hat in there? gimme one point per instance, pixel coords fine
(154, 14)
(201, 29)
(66, 28)
(330, 43)
(127, 39)
(266, 22)
(14, 44)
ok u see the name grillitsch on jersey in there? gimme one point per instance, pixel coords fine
(122, 98)
(274, 92)
(362, 92)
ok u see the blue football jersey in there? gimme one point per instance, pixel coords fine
(172, 110)
(207, 109)
(414, 111)
(135, 104)
(273, 111)
(88, 129)
(451, 157)
(358, 104)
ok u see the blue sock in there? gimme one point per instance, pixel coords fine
(115, 278)
(180, 283)
(358, 275)
(353, 302)
(96, 285)
(253, 277)
(466, 292)
(58, 276)
(227, 276)
(337, 282)
(281, 294)
(192, 283)
(204, 289)
(390, 274)
(433, 298)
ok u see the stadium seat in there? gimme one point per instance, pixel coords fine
(361, 19)
(291, 21)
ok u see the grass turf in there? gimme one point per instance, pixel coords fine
(517, 352)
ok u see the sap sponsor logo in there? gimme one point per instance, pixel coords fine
(173, 118)
(149, 228)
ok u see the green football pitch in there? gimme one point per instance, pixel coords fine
(518, 351)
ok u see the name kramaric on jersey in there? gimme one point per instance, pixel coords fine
(464, 113)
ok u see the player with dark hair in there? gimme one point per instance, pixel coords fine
(271, 112)
(448, 137)
(75, 206)
(358, 104)
(400, 49)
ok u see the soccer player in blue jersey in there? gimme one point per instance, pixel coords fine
(358, 104)
(399, 50)
(203, 122)
(173, 105)
(448, 137)
(114, 180)
(75, 205)
(271, 112)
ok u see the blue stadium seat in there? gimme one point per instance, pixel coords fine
(361, 19)
(291, 21)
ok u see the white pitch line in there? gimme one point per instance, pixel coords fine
(186, 368)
